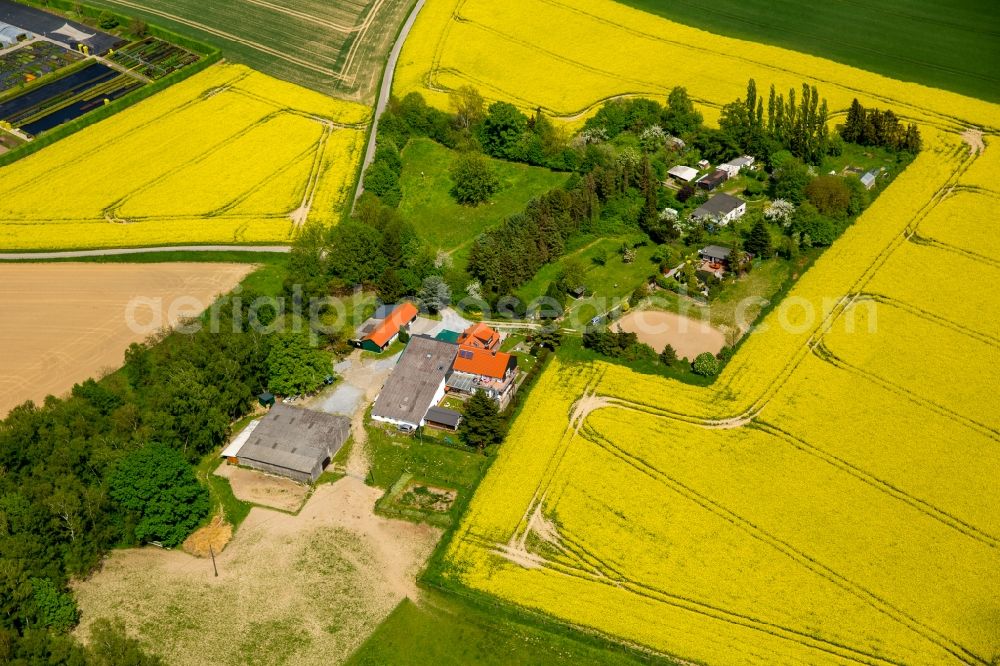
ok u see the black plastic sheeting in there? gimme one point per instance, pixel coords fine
(45, 24)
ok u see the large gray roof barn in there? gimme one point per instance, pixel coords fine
(417, 383)
(294, 442)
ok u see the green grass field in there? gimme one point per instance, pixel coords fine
(606, 284)
(951, 45)
(446, 225)
(338, 48)
(393, 454)
(444, 630)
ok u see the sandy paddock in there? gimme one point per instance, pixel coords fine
(304, 589)
(257, 487)
(65, 322)
(657, 329)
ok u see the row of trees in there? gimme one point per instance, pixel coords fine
(505, 257)
(678, 118)
(376, 248)
(798, 124)
(874, 127)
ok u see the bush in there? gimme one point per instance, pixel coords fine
(482, 425)
(53, 608)
(383, 181)
(138, 28)
(669, 355)
(294, 366)
(706, 365)
(475, 179)
(830, 194)
(107, 21)
(157, 488)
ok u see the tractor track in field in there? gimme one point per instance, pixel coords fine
(802, 558)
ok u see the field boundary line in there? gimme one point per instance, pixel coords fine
(117, 251)
(950, 120)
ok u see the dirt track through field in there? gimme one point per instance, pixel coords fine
(304, 589)
(66, 322)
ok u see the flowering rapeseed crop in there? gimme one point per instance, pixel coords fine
(566, 56)
(822, 501)
(227, 156)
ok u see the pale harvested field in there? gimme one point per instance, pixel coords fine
(689, 337)
(305, 589)
(276, 492)
(65, 322)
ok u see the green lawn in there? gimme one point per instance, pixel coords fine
(446, 225)
(454, 403)
(950, 45)
(606, 285)
(392, 454)
(861, 157)
(442, 631)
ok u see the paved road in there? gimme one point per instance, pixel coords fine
(385, 92)
(73, 254)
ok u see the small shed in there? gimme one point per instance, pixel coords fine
(713, 180)
(448, 336)
(683, 173)
(442, 417)
(715, 253)
(385, 332)
(868, 180)
(721, 207)
(734, 166)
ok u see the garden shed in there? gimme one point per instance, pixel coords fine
(442, 417)
(683, 173)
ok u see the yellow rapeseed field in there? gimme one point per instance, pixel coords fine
(829, 498)
(228, 156)
(567, 56)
